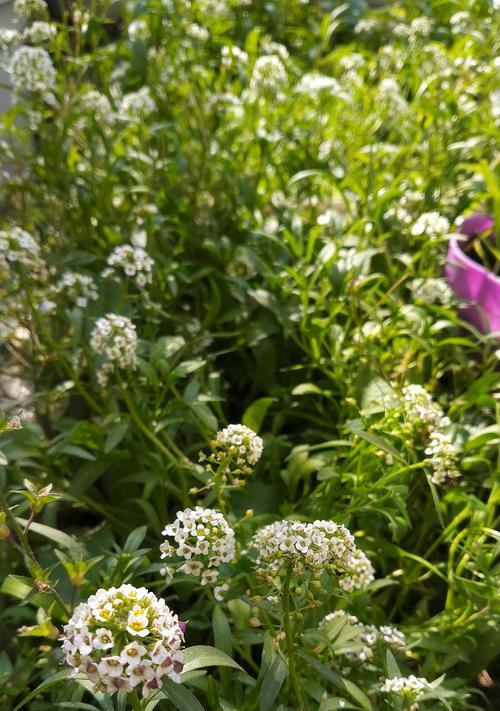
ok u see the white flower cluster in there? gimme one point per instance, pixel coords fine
(319, 546)
(203, 539)
(431, 291)
(138, 104)
(138, 30)
(268, 75)
(77, 288)
(39, 32)
(133, 262)
(8, 38)
(442, 457)
(32, 70)
(97, 104)
(18, 246)
(431, 224)
(122, 638)
(233, 56)
(368, 636)
(315, 83)
(115, 338)
(409, 687)
(29, 9)
(236, 450)
(420, 409)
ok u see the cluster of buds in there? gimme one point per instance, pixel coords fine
(123, 638)
(321, 546)
(235, 451)
(362, 639)
(202, 540)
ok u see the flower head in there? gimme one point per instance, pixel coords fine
(137, 104)
(202, 540)
(420, 409)
(431, 224)
(132, 262)
(100, 642)
(442, 457)
(409, 688)
(79, 289)
(317, 547)
(32, 70)
(114, 338)
(236, 450)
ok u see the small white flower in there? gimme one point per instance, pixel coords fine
(110, 666)
(133, 653)
(103, 639)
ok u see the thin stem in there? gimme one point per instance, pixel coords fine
(35, 568)
(287, 623)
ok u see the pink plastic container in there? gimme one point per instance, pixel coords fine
(472, 282)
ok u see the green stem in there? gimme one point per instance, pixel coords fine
(287, 623)
(33, 565)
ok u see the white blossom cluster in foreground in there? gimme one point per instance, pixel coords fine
(115, 338)
(319, 546)
(124, 638)
(32, 70)
(203, 539)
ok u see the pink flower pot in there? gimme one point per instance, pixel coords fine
(472, 282)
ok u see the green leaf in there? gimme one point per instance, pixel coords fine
(3, 459)
(222, 631)
(181, 698)
(272, 683)
(255, 413)
(54, 679)
(343, 684)
(115, 436)
(135, 539)
(201, 656)
(391, 665)
(53, 534)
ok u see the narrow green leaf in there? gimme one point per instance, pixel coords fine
(181, 698)
(222, 631)
(53, 534)
(55, 679)
(272, 683)
(115, 436)
(343, 684)
(391, 665)
(135, 539)
(255, 413)
(201, 656)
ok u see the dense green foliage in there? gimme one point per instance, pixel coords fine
(276, 171)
